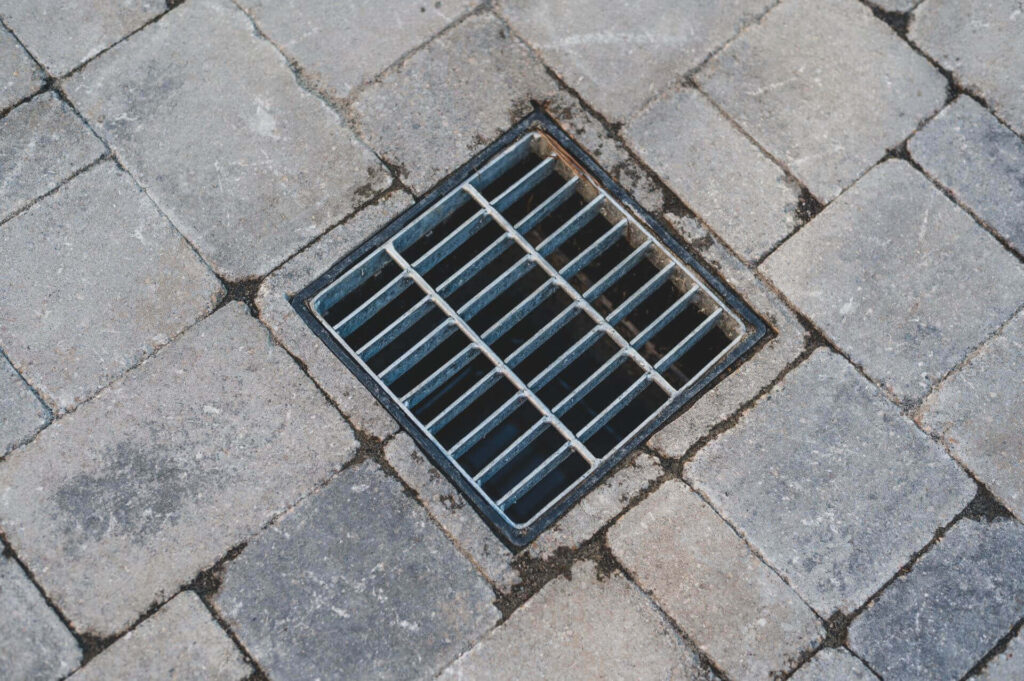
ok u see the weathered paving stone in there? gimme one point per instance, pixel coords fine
(618, 55)
(583, 628)
(830, 483)
(21, 412)
(356, 583)
(834, 664)
(958, 600)
(717, 171)
(825, 87)
(211, 121)
(95, 279)
(19, 76)
(61, 35)
(373, 35)
(42, 143)
(900, 278)
(981, 161)
(116, 505)
(1007, 665)
(34, 644)
(895, 5)
(980, 43)
(739, 612)
(180, 642)
(979, 413)
(408, 116)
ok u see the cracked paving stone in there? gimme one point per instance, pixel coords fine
(585, 627)
(42, 143)
(34, 644)
(119, 503)
(783, 476)
(211, 121)
(733, 607)
(980, 161)
(955, 604)
(614, 55)
(1007, 665)
(825, 87)
(95, 280)
(357, 583)
(19, 76)
(181, 641)
(833, 664)
(21, 412)
(900, 278)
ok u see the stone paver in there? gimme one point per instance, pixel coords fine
(119, 503)
(981, 161)
(614, 54)
(61, 35)
(374, 35)
(211, 121)
(900, 278)
(717, 171)
(956, 603)
(42, 143)
(740, 613)
(21, 412)
(356, 583)
(1007, 665)
(19, 76)
(34, 644)
(980, 43)
(181, 641)
(825, 87)
(979, 412)
(834, 664)
(408, 115)
(95, 279)
(585, 628)
(832, 485)
(895, 5)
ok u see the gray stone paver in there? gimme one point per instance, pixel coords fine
(618, 55)
(95, 280)
(980, 43)
(181, 641)
(899, 277)
(19, 76)
(356, 583)
(117, 504)
(21, 412)
(34, 644)
(589, 627)
(42, 143)
(981, 161)
(979, 413)
(834, 487)
(716, 171)
(825, 87)
(740, 613)
(209, 118)
(956, 603)
(834, 664)
(895, 5)
(1007, 665)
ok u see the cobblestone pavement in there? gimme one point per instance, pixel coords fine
(193, 487)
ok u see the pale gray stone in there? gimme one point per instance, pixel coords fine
(834, 664)
(956, 603)
(980, 43)
(356, 583)
(42, 143)
(618, 55)
(981, 161)
(1007, 665)
(21, 412)
(587, 628)
(95, 280)
(716, 171)
(979, 413)
(19, 75)
(34, 644)
(122, 501)
(181, 641)
(735, 609)
(373, 34)
(211, 121)
(61, 34)
(825, 87)
(830, 483)
(900, 278)
(895, 5)
(447, 101)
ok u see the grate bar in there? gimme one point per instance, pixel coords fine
(359, 274)
(447, 245)
(496, 287)
(616, 405)
(664, 318)
(629, 304)
(548, 206)
(617, 272)
(582, 390)
(443, 373)
(535, 476)
(395, 329)
(542, 335)
(516, 314)
(570, 227)
(684, 345)
(426, 222)
(375, 304)
(474, 266)
(511, 452)
(524, 184)
(396, 369)
(595, 249)
(566, 358)
(464, 400)
(486, 425)
(503, 162)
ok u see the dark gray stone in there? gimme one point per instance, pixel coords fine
(1007, 665)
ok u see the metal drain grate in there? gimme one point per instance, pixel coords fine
(526, 327)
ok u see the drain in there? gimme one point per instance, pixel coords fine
(526, 327)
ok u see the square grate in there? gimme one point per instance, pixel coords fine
(527, 325)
